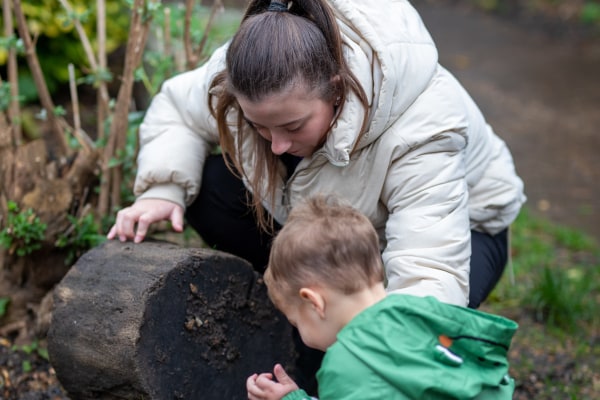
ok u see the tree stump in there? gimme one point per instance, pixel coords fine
(158, 321)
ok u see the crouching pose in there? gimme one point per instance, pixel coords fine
(326, 275)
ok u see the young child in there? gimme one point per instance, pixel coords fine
(326, 275)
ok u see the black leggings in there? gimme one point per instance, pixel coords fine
(222, 217)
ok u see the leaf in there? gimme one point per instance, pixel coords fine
(4, 301)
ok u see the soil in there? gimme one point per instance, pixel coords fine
(27, 376)
(542, 372)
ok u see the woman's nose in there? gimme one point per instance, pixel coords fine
(279, 143)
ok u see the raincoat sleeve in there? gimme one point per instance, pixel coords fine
(176, 136)
(351, 379)
(428, 230)
(298, 395)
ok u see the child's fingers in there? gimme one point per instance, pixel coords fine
(281, 375)
(283, 378)
(254, 391)
(264, 380)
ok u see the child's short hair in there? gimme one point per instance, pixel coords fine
(325, 242)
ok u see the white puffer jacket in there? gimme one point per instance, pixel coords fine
(428, 170)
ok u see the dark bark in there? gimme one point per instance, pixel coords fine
(154, 320)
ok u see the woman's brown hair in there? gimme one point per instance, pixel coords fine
(271, 51)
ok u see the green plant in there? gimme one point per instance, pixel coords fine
(158, 65)
(57, 40)
(560, 298)
(33, 348)
(4, 301)
(590, 13)
(5, 96)
(8, 43)
(556, 274)
(23, 231)
(81, 236)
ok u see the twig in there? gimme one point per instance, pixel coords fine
(216, 7)
(85, 42)
(89, 52)
(6, 141)
(167, 33)
(193, 57)
(102, 94)
(10, 328)
(190, 57)
(13, 79)
(83, 139)
(40, 83)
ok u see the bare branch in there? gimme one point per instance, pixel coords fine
(83, 139)
(167, 33)
(59, 141)
(193, 57)
(14, 111)
(111, 179)
(217, 7)
(85, 42)
(190, 56)
(89, 52)
(6, 141)
(102, 94)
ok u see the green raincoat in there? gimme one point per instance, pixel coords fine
(408, 347)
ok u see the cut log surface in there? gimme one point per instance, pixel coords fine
(158, 321)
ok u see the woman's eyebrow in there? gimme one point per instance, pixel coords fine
(294, 122)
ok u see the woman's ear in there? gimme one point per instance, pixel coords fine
(315, 300)
(337, 90)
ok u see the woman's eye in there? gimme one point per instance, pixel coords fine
(258, 128)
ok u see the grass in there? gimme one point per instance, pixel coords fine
(554, 271)
(552, 289)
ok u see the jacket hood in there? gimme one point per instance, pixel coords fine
(398, 339)
(393, 55)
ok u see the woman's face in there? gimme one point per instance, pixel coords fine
(295, 120)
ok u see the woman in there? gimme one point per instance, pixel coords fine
(337, 96)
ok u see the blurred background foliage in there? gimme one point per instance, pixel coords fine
(586, 12)
(57, 42)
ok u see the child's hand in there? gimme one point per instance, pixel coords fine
(263, 387)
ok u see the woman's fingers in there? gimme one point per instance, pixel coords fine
(133, 222)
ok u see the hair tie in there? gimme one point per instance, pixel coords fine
(277, 7)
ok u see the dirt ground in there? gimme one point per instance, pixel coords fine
(26, 375)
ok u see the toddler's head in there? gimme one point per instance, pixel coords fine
(324, 242)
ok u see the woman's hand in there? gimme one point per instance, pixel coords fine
(133, 222)
(263, 387)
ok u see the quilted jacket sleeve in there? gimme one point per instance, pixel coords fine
(176, 136)
(428, 231)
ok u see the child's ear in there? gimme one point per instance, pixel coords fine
(315, 300)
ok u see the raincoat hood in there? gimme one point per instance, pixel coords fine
(422, 348)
